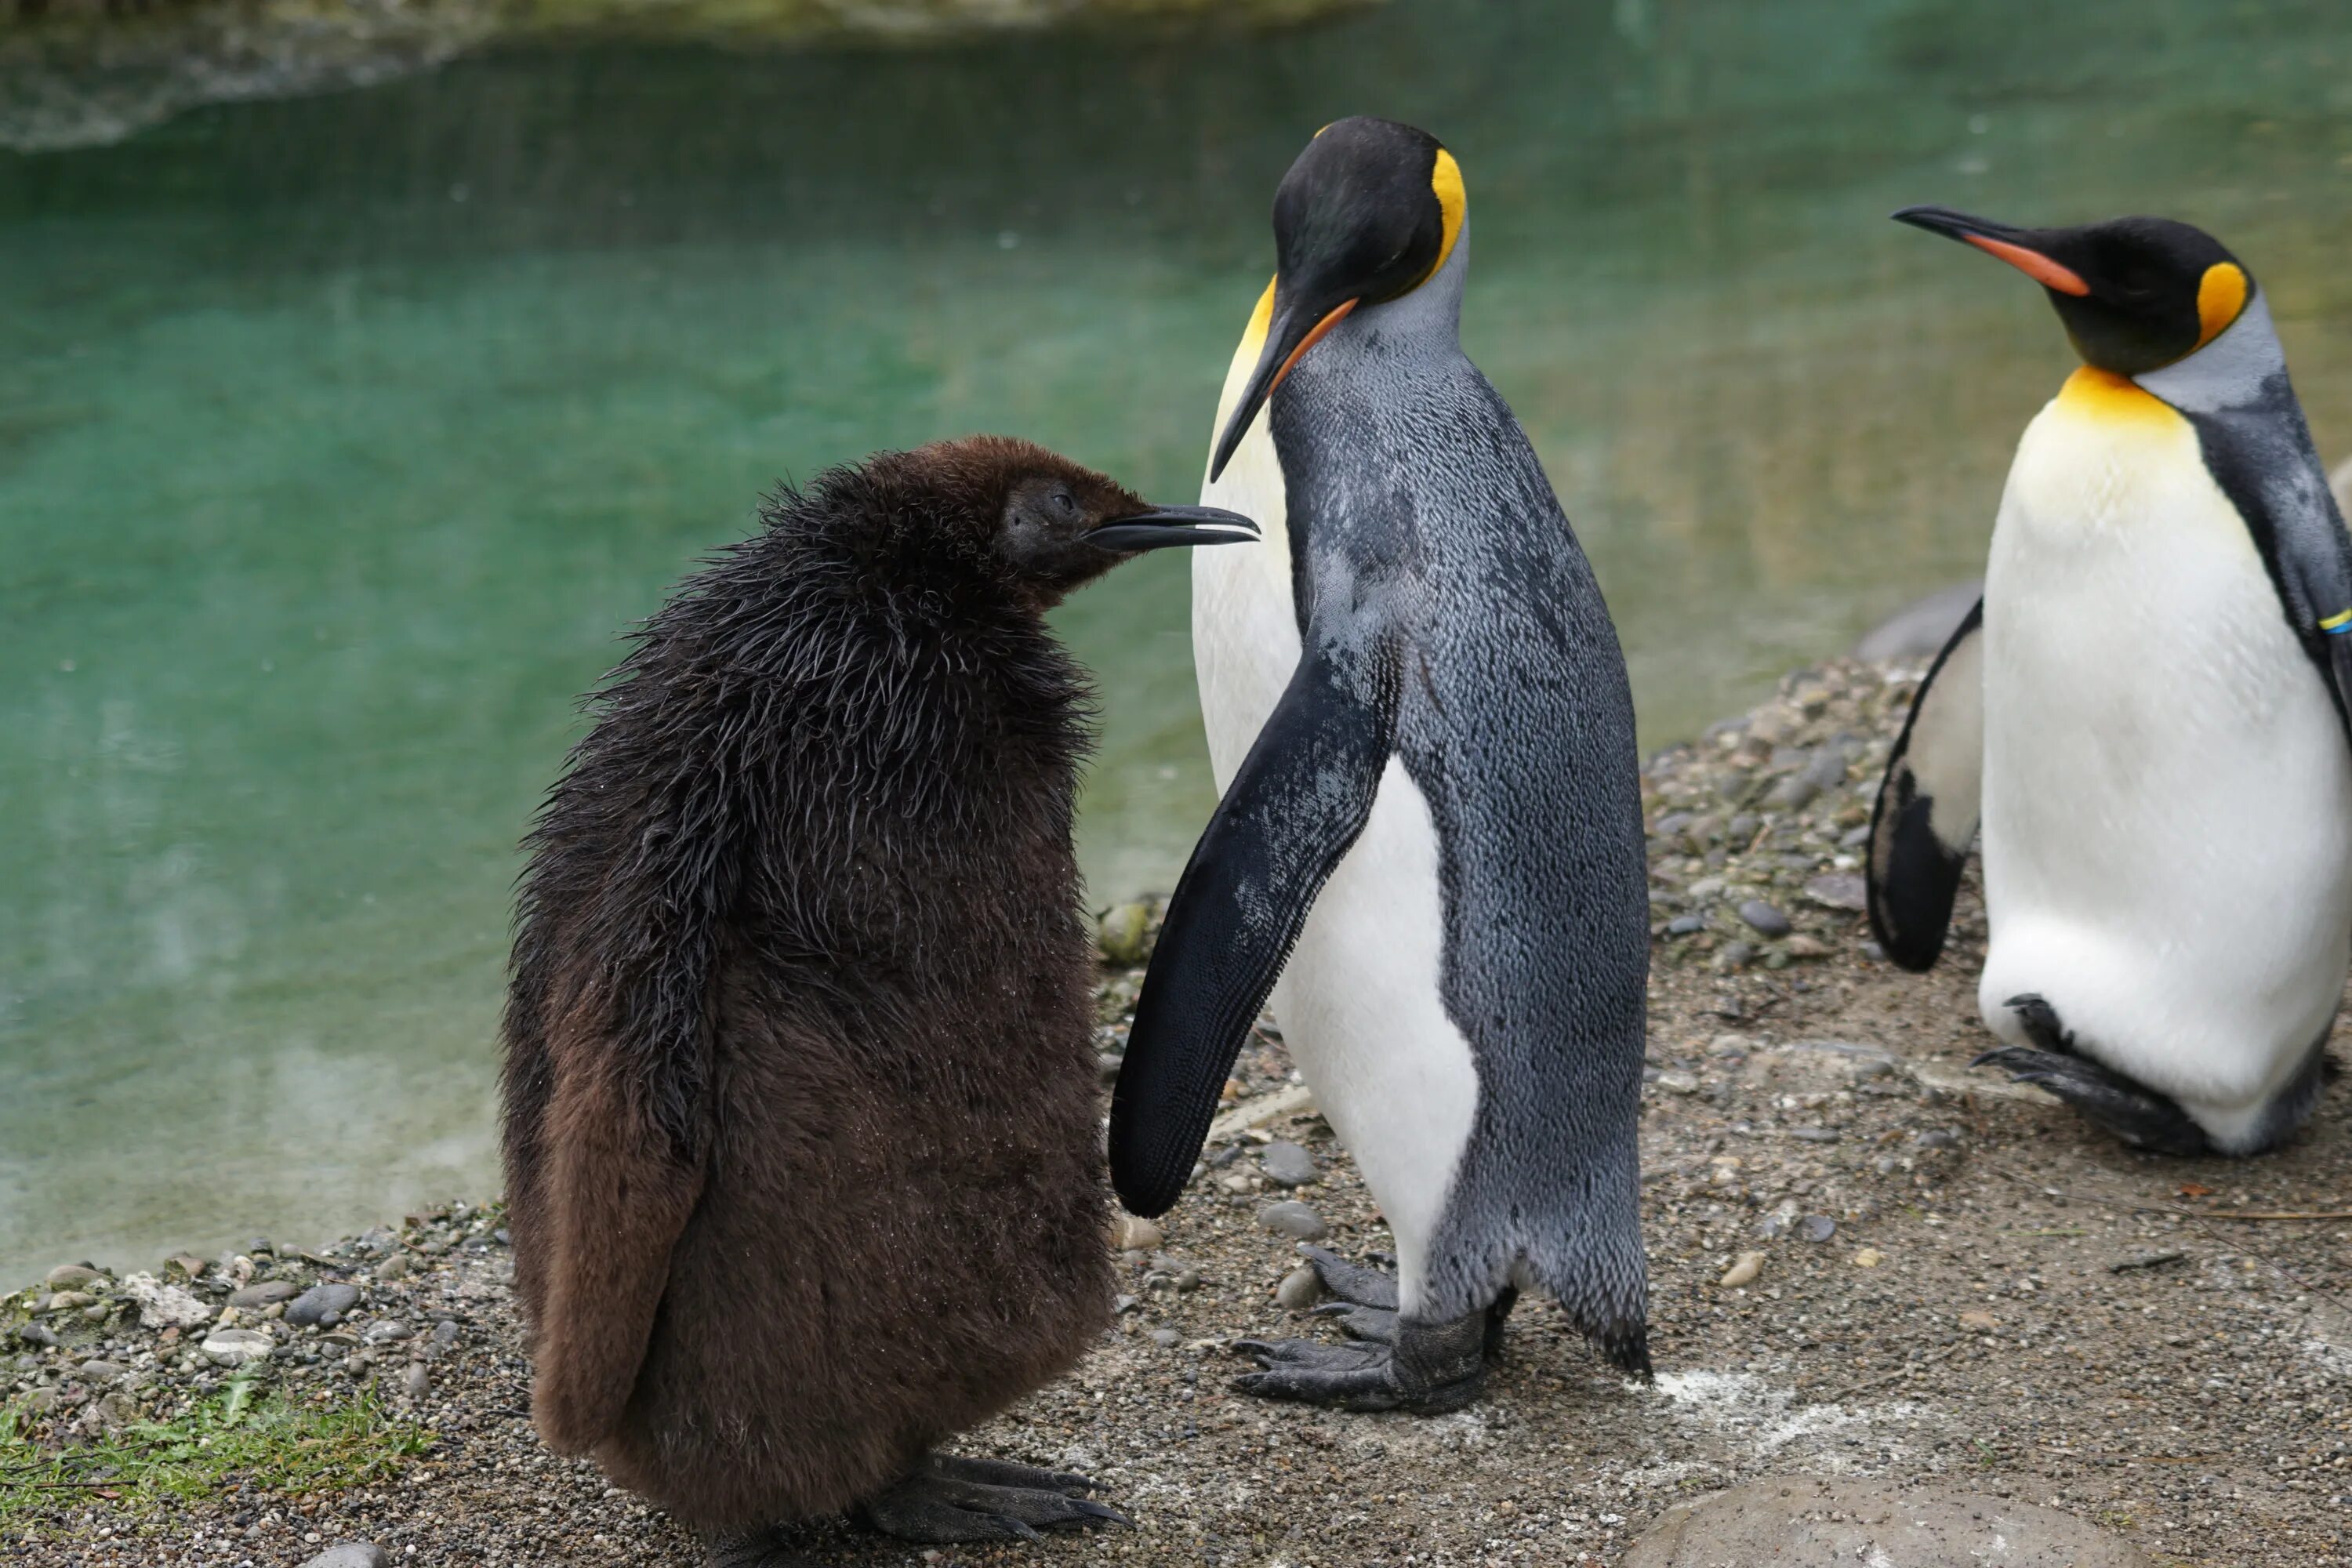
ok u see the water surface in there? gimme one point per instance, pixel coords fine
(338, 439)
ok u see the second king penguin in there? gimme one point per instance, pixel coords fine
(1431, 830)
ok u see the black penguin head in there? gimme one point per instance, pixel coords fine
(1035, 524)
(1370, 212)
(2135, 293)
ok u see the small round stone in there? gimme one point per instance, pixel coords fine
(235, 1347)
(1166, 1339)
(1764, 919)
(1129, 1234)
(1286, 1165)
(1743, 1270)
(351, 1554)
(321, 1303)
(73, 1276)
(266, 1293)
(1300, 1288)
(1294, 1220)
(1816, 1227)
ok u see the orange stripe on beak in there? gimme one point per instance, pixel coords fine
(1308, 342)
(2032, 263)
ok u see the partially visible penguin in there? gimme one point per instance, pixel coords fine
(800, 1110)
(1430, 828)
(2146, 713)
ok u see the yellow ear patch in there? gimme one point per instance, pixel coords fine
(1452, 203)
(2221, 296)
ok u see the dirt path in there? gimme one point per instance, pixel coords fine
(2004, 1298)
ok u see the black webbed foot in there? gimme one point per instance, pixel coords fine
(946, 1500)
(1425, 1368)
(2129, 1109)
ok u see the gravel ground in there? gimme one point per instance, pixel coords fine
(1867, 1260)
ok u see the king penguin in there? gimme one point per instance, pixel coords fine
(2146, 713)
(1431, 825)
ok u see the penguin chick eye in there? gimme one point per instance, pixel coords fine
(1064, 505)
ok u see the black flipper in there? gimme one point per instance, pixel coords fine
(1301, 797)
(2251, 431)
(1927, 811)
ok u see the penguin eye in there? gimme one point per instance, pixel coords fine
(1067, 504)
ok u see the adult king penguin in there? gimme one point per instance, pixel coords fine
(1419, 716)
(2147, 711)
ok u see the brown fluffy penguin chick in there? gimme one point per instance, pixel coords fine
(801, 1120)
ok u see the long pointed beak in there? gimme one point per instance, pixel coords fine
(1289, 335)
(2010, 243)
(1172, 525)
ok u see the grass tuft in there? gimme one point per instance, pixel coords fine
(243, 1436)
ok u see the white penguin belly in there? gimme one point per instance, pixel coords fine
(2168, 793)
(1358, 1003)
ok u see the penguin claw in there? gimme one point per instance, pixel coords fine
(946, 1501)
(1360, 1323)
(2129, 1109)
(1351, 1282)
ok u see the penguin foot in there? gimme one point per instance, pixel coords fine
(946, 1500)
(2131, 1110)
(1351, 1282)
(1426, 1368)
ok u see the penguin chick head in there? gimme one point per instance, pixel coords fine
(1369, 213)
(2135, 293)
(1023, 520)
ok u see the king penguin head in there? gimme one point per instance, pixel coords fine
(1370, 212)
(2135, 293)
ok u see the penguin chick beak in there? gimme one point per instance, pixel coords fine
(1172, 525)
(1293, 332)
(2014, 245)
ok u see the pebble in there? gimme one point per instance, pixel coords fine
(1763, 918)
(73, 1277)
(1869, 1257)
(1129, 1234)
(98, 1370)
(413, 1380)
(399, 1266)
(445, 1335)
(1120, 935)
(67, 1300)
(1300, 1288)
(164, 1306)
(1743, 1270)
(1294, 1220)
(37, 1335)
(1735, 955)
(1687, 925)
(1816, 1227)
(1796, 1518)
(1166, 1339)
(384, 1330)
(1839, 890)
(1982, 1323)
(322, 1304)
(351, 1554)
(1286, 1165)
(1678, 1082)
(235, 1347)
(268, 1293)
(1792, 793)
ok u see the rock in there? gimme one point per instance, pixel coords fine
(384, 1330)
(164, 1306)
(1120, 935)
(67, 1300)
(415, 1381)
(1869, 1257)
(37, 1335)
(1735, 955)
(1743, 1270)
(1678, 1082)
(1129, 1234)
(187, 1264)
(1685, 925)
(444, 1335)
(99, 1371)
(1763, 918)
(1804, 946)
(1797, 1520)
(1294, 1220)
(1981, 1322)
(324, 1304)
(399, 1266)
(1300, 1288)
(1794, 793)
(1839, 890)
(235, 1347)
(73, 1277)
(1816, 1227)
(1919, 630)
(268, 1293)
(1166, 1339)
(351, 1554)
(1286, 1165)
(1826, 768)
(259, 1246)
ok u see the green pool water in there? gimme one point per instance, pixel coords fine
(339, 438)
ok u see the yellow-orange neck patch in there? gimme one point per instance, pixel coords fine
(1452, 203)
(2220, 299)
(2102, 395)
